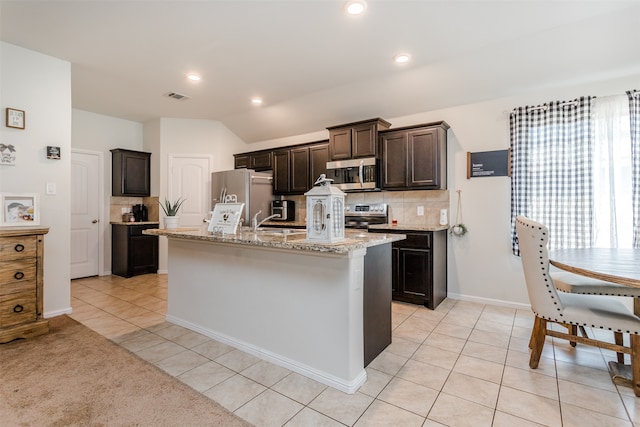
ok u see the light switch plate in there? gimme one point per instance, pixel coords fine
(51, 188)
(420, 210)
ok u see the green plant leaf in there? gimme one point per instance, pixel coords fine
(171, 208)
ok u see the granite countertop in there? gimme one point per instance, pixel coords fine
(389, 227)
(408, 227)
(289, 239)
(135, 223)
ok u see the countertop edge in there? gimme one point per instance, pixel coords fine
(353, 240)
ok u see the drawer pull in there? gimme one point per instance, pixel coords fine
(19, 247)
(19, 275)
(18, 309)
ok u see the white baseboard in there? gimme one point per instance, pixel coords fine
(489, 301)
(56, 313)
(349, 387)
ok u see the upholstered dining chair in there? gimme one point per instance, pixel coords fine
(577, 284)
(568, 309)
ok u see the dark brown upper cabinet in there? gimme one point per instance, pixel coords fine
(295, 169)
(318, 158)
(299, 170)
(414, 157)
(257, 160)
(355, 140)
(130, 173)
(281, 172)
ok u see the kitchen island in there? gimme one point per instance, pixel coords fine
(310, 307)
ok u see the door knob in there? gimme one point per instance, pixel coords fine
(95, 221)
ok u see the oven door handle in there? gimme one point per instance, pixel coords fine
(361, 173)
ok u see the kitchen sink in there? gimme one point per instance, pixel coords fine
(280, 231)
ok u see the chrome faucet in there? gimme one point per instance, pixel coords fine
(255, 224)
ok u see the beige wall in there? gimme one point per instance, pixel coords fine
(41, 86)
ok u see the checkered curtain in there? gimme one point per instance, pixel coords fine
(551, 163)
(634, 115)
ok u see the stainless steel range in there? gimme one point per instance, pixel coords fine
(362, 215)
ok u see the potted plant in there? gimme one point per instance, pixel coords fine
(171, 211)
(459, 229)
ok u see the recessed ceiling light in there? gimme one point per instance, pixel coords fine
(193, 77)
(355, 7)
(401, 58)
(256, 101)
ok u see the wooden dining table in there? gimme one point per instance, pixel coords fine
(615, 265)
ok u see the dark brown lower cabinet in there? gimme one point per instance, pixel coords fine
(376, 301)
(419, 266)
(133, 253)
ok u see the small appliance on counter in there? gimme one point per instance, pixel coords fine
(285, 208)
(140, 213)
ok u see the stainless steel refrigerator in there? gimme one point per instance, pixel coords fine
(252, 188)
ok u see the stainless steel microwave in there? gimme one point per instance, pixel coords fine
(354, 175)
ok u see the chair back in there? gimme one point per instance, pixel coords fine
(532, 241)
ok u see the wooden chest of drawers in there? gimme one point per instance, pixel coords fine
(21, 283)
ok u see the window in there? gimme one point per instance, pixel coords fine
(576, 169)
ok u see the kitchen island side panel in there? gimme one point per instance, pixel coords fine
(301, 310)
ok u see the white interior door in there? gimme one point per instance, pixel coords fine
(190, 178)
(86, 169)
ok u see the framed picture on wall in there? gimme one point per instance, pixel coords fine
(19, 209)
(15, 118)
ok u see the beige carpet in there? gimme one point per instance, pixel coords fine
(75, 377)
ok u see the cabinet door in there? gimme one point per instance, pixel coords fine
(318, 158)
(394, 160)
(281, 168)
(241, 161)
(131, 173)
(299, 170)
(143, 252)
(136, 174)
(424, 158)
(415, 274)
(364, 140)
(261, 161)
(340, 144)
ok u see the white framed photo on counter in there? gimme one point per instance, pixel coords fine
(225, 218)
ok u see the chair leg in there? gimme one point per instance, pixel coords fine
(635, 363)
(619, 338)
(538, 335)
(573, 330)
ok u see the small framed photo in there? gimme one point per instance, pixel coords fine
(19, 209)
(53, 152)
(15, 118)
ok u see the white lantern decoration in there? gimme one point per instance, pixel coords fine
(325, 212)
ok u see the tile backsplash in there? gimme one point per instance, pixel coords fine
(119, 203)
(403, 205)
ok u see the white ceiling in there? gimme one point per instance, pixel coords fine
(313, 65)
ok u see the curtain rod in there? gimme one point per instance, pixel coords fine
(545, 107)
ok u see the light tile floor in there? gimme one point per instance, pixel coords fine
(463, 364)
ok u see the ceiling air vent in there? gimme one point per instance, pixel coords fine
(176, 95)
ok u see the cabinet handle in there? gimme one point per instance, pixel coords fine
(19, 275)
(19, 247)
(18, 309)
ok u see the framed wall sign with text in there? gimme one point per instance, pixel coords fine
(15, 118)
(489, 163)
(225, 218)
